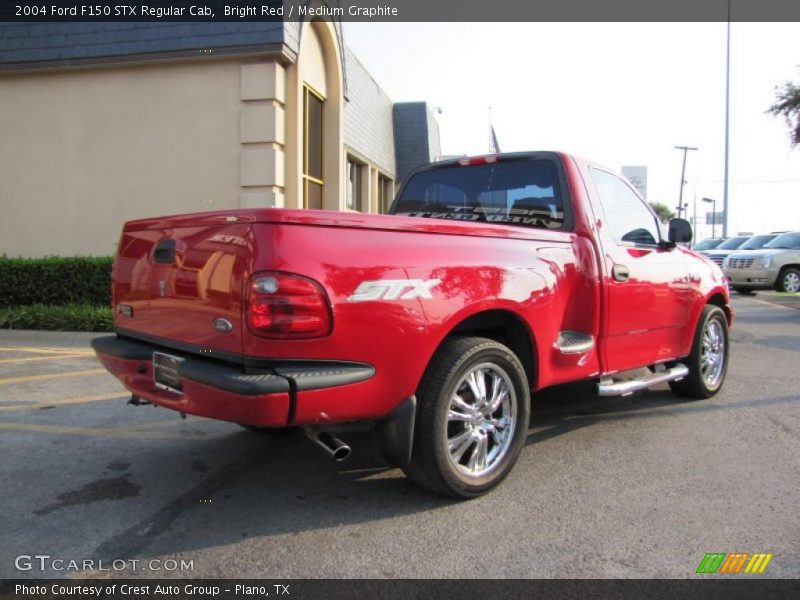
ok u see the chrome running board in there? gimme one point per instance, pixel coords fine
(609, 387)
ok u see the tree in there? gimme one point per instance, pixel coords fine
(663, 211)
(787, 104)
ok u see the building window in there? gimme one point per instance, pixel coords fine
(313, 105)
(384, 194)
(355, 172)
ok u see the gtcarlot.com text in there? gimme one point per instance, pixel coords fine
(45, 562)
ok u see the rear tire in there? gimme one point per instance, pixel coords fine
(744, 291)
(789, 281)
(472, 418)
(708, 362)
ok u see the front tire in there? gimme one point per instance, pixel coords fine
(472, 418)
(708, 362)
(789, 281)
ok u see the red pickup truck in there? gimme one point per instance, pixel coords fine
(492, 278)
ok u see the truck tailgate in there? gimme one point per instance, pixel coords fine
(183, 283)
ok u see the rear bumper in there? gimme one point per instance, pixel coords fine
(266, 396)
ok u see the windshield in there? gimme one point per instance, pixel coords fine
(756, 242)
(707, 244)
(732, 243)
(518, 192)
(787, 241)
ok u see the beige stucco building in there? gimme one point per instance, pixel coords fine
(107, 122)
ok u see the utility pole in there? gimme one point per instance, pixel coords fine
(683, 175)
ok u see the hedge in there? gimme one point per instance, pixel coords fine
(55, 281)
(77, 317)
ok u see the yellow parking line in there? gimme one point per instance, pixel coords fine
(39, 358)
(45, 376)
(79, 400)
(102, 432)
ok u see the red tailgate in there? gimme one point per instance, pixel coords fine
(183, 281)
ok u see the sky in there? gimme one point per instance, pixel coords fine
(616, 93)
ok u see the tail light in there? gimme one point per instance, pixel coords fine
(478, 160)
(287, 306)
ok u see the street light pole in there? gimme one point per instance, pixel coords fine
(727, 124)
(683, 176)
(713, 217)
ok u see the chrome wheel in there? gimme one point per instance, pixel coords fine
(791, 282)
(708, 360)
(481, 420)
(712, 353)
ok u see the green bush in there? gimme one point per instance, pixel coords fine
(76, 317)
(55, 280)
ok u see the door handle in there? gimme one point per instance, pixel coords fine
(620, 273)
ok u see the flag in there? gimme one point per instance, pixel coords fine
(495, 147)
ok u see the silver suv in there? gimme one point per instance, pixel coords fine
(775, 266)
(719, 253)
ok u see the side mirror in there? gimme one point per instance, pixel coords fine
(680, 231)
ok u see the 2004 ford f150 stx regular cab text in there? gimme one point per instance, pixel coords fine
(493, 277)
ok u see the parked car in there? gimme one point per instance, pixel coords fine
(755, 242)
(719, 253)
(775, 266)
(493, 278)
(707, 244)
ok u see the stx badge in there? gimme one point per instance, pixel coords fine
(394, 289)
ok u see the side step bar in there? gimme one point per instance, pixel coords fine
(574, 342)
(609, 387)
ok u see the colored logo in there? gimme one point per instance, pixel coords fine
(734, 563)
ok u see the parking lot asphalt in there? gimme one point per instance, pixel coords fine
(641, 486)
(780, 299)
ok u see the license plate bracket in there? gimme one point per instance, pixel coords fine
(166, 375)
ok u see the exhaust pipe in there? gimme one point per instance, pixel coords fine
(329, 442)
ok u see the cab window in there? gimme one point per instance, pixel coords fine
(524, 192)
(628, 218)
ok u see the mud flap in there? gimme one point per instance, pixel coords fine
(395, 433)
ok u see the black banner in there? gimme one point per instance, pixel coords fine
(405, 589)
(400, 10)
